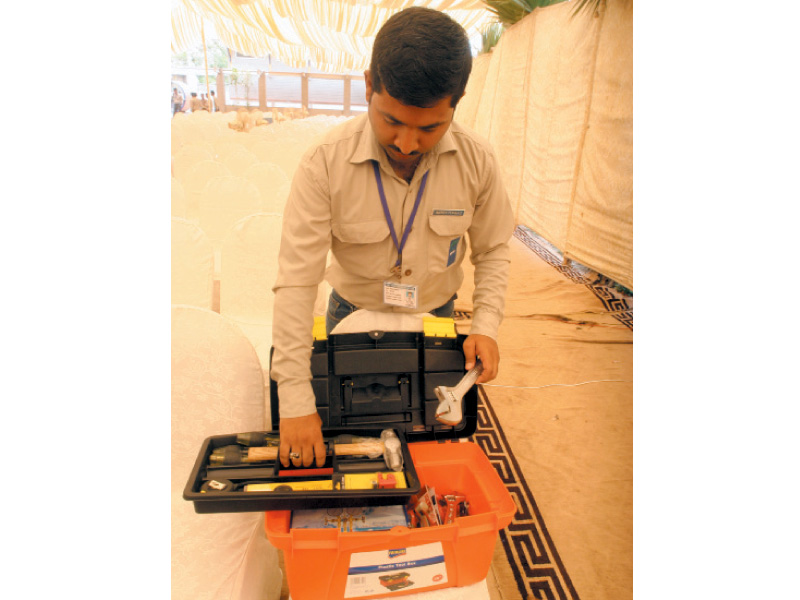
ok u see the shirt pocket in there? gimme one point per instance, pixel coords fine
(363, 249)
(444, 229)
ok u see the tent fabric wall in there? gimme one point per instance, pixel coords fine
(186, 28)
(336, 35)
(468, 106)
(560, 81)
(556, 102)
(510, 101)
(601, 220)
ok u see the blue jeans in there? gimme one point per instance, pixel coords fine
(339, 308)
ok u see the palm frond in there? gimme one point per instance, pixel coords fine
(509, 12)
(586, 5)
(490, 36)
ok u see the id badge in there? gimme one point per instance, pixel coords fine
(398, 294)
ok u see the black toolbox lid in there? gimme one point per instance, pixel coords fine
(381, 379)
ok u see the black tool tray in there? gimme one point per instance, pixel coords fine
(364, 383)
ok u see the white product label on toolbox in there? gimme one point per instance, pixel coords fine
(385, 571)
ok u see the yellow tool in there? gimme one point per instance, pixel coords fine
(349, 481)
(290, 486)
(370, 481)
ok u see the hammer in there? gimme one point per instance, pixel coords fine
(449, 411)
(388, 445)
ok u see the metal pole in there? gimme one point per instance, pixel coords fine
(205, 58)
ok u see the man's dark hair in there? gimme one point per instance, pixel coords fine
(420, 56)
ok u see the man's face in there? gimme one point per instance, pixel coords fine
(406, 132)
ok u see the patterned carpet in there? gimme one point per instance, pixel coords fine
(534, 568)
(533, 560)
(617, 300)
(531, 554)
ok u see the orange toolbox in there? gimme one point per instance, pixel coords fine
(366, 384)
(329, 564)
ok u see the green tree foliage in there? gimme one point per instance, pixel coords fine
(587, 5)
(509, 12)
(243, 80)
(490, 36)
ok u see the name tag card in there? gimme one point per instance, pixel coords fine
(398, 294)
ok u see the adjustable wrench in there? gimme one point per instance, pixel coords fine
(449, 411)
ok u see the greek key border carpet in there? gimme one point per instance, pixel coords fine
(616, 300)
(532, 556)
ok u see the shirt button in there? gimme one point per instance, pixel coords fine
(407, 273)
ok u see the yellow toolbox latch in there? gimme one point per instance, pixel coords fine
(438, 327)
(318, 330)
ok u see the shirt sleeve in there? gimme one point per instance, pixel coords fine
(490, 231)
(305, 241)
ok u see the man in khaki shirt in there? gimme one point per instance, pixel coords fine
(393, 194)
(195, 103)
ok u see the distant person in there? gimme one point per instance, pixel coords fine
(195, 103)
(212, 102)
(203, 103)
(177, 101)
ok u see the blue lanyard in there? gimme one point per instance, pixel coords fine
(407, 230)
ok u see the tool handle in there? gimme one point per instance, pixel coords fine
(462, 387)
(259, 453)
(359, 448)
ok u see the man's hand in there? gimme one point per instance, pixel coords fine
(302, 436)
(485, 348)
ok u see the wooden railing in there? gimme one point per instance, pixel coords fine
(307, 93)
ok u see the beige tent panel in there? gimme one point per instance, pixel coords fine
(562, 57)
(601, 226)
(336, 34)
(467, 109)
(485, 115)
(186, 27)
(507, 134)
(556, 102)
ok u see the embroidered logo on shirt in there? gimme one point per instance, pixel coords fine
(451, 255)
(450, 212)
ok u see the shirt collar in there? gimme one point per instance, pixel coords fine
(368, 147)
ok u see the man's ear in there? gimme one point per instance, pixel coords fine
(368, 84)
